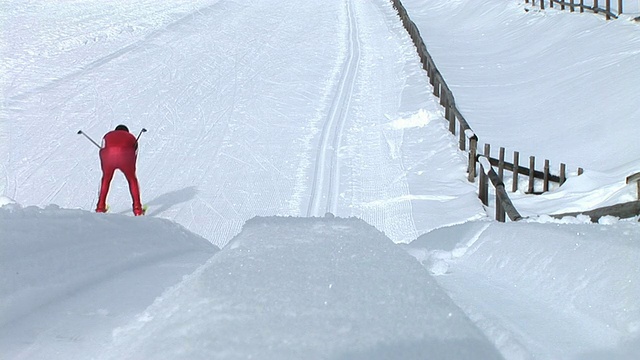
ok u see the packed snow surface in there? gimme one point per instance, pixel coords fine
(289, 288)
(305, 196)
(70, 277)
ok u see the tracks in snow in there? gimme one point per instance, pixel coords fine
(79, 71)
(326, 180)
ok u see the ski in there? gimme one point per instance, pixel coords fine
(144, 210)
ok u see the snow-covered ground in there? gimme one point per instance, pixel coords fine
(288, 112)
(552, 84)
(70, 277)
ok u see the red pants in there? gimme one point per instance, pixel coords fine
(124, 159)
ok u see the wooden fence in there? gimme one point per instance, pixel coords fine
(623, 211)
(468, 141)
(530, 172)
(579, 5)
(502, 204)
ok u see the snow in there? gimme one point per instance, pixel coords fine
(489, 51)
(289, 288)
(305, 196)
(565, 272)
(70, 277)
(564, 76)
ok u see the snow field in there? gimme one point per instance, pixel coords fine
(236, 96)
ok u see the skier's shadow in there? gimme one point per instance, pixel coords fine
(166, 201)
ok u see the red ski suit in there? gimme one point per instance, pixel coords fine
(119, 151)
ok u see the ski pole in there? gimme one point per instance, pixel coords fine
(80, 132)
(141, 131)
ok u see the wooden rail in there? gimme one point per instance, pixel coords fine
(623, 211)
(581, 6)
(503, 203)
(458, 125)
(518, 169)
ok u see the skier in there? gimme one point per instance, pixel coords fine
(119, 151)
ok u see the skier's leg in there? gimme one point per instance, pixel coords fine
(107, 175)
(134, 188)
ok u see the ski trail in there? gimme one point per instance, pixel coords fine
(325, 190)
(112, 56)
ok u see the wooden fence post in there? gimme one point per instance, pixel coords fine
(473, 149)
(436, 85)
(500, 213)
(487, 150)
(542, 4)
(452, 115)
(608, 9)
(425, 63)
(516, 170)
(619, 7)
(571, 6)
(562, 5)
(431, 74)
(444, 102)
(484, 179)
(580, 171)
(563, 173)
(462, 140)
(501, 164)
(545, 186)
(483, 191)
(635, 177)
(503, 203)
(532, 166)
(581, 6)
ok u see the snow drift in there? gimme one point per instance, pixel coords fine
(314, 288)
(581, 277)
(69, 276)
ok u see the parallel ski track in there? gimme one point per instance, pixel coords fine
(325, 190)
(105, 59)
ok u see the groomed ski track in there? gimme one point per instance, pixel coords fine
(325, 188)
(276, 118)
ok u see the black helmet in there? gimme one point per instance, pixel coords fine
(122, 127)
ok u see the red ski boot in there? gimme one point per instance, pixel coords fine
(139, 210)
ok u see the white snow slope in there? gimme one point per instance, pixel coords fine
(70, 277)
(286, 112)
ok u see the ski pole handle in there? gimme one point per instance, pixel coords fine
(141, 131)
(80, 132)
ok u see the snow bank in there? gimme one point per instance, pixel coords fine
(581, 271)
(588, 191)
(314, 288)
(6, 201)
(68, 275)
(508, 70)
